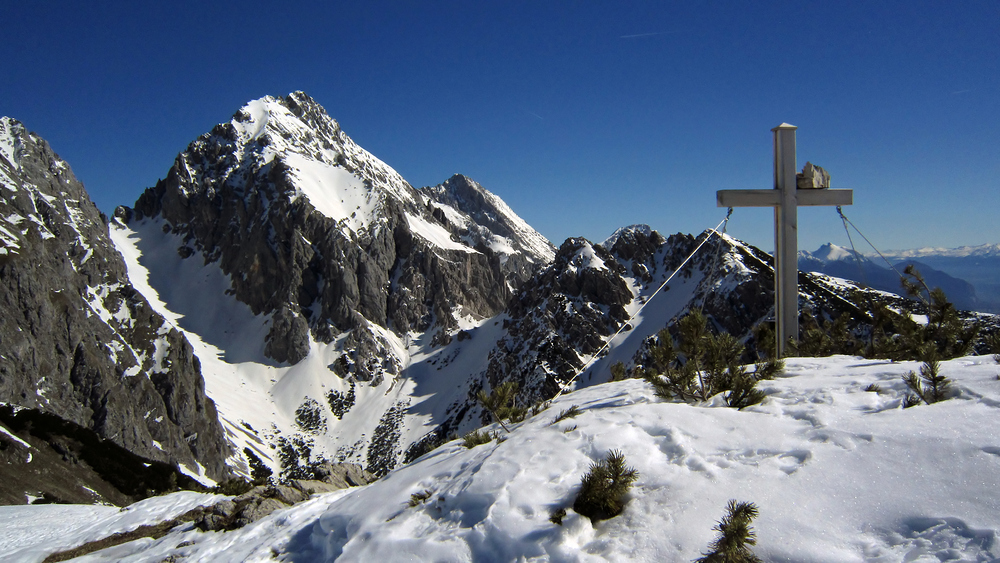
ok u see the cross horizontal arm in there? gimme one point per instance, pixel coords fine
(772, 197)
(824, 197)
(748, 198)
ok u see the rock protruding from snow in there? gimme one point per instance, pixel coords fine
(76, 339)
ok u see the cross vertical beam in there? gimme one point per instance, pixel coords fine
(786, 238)
(785, 199)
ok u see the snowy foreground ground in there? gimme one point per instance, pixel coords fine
(838, 473)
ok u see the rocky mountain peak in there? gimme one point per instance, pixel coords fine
(320, 236)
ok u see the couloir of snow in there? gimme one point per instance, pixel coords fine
(839, 474)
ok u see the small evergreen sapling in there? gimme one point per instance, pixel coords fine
(931, 386)
(501, 404)
(618, 371)
(568, 413)
(735, 536)
(603, 488)
(477, 438)
(416, 499)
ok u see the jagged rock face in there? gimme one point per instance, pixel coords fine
(562, 312)
(564, 315)
(493, 224)
(317, 232)
(76, 339)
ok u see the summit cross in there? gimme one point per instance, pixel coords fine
(785, 198)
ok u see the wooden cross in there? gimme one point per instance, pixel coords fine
(785, 199)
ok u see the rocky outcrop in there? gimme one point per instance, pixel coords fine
(263, 500)
(76, 339)
(558, 316)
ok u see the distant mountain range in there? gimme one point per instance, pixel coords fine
(969, 276)
(282, 298)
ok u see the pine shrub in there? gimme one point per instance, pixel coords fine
(944, 330)
(603, 488)
(501, 403)
(618, 372)
(712, 365)
(477, 438)
(931, 387)
(568, 413)
(416, 499)
(735, 536)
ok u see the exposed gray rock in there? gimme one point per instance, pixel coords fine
(263, 500)
(562, 312)
(288, 339)
(812, 176)
(76, 339)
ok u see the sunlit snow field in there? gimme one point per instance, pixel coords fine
(838, 473)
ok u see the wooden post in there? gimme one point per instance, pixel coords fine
(785, 199)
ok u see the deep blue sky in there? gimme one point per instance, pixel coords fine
(583, 116)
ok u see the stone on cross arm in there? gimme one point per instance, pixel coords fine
(812, 177)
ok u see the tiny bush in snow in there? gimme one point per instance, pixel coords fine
(417, 499)
(712, 365)
(735, 535)
(568, 413)
(477, 438)
(931, 386)
(501, 403)
(603, 488)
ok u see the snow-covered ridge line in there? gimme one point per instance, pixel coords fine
(962, 251)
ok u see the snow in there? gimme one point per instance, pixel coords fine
(29, 533)
(333, 191)
(246, 387)
(830, 253)
(586, 258)
(14, 437)
(435, 234)
(838, 474)
(640, 228)
(535, 242)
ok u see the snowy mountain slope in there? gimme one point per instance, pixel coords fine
(76, 339)
(837, 261)
(279, 411)
(838, 473)
(566, 326)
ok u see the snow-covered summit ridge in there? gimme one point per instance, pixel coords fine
(339, 178)
(928, 490)
(638, 228)
(828, 252)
